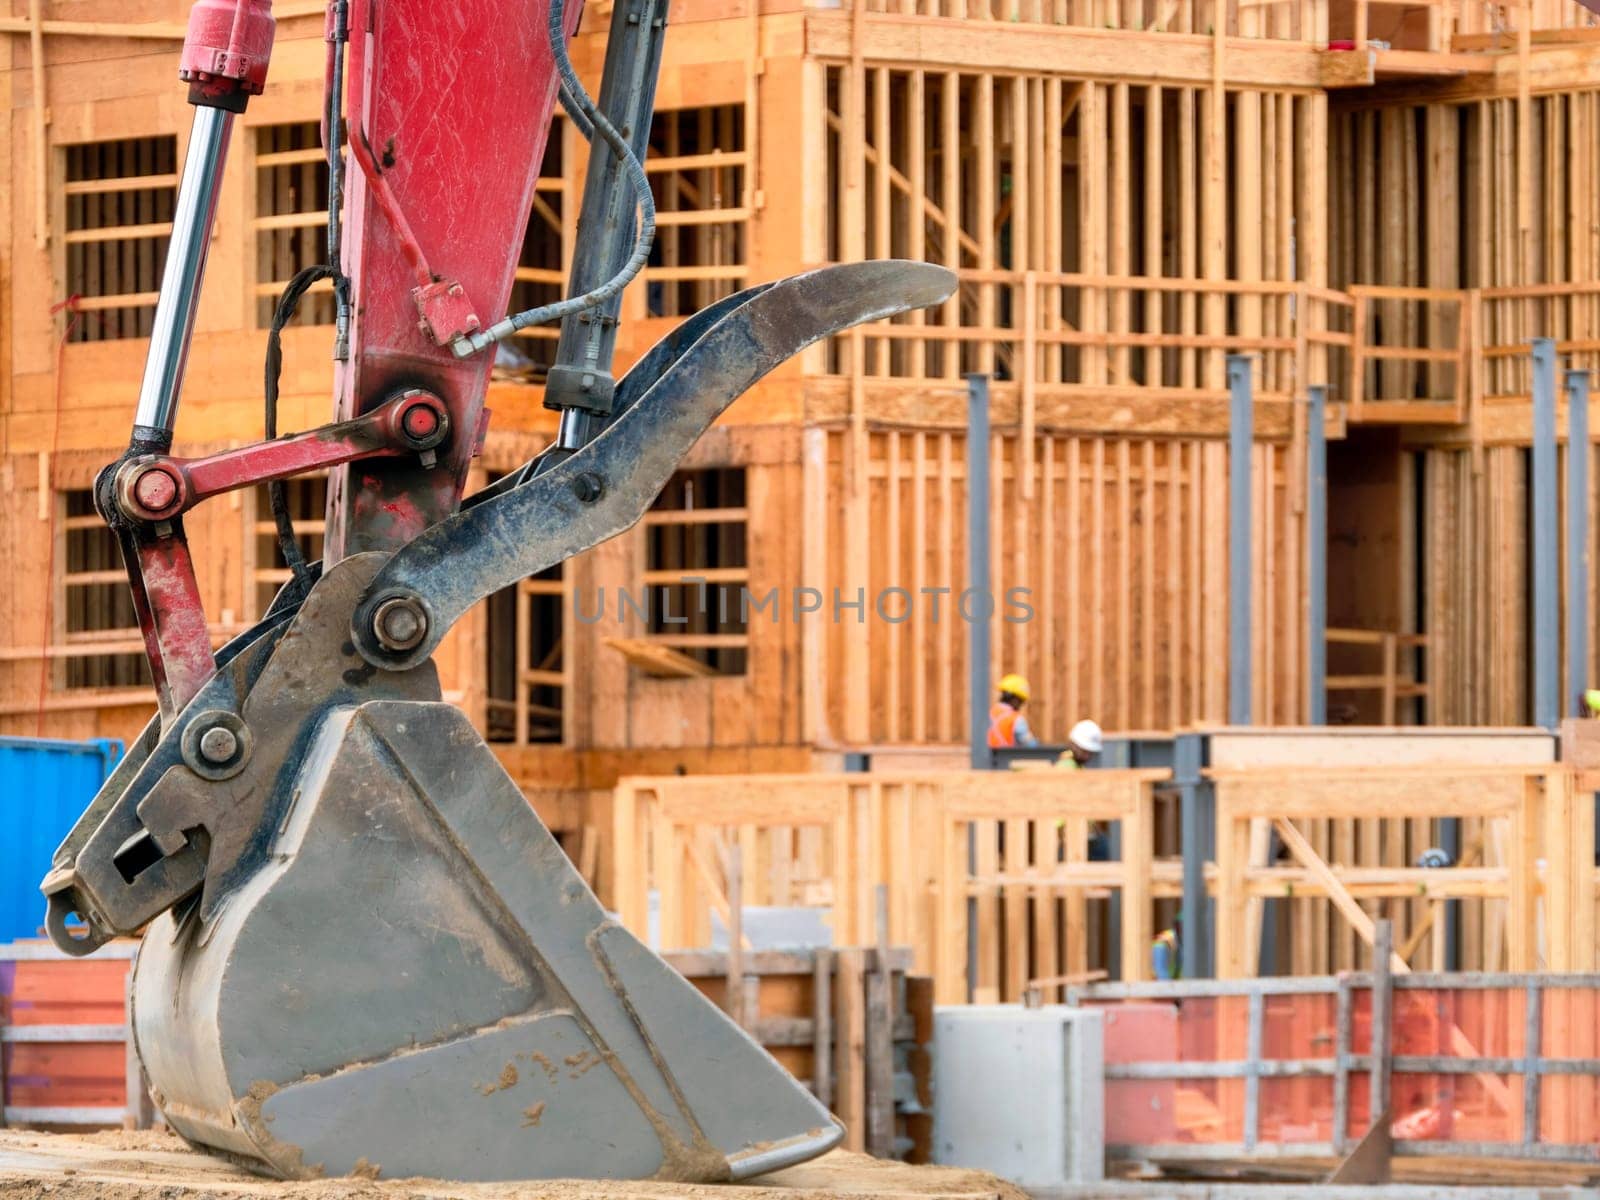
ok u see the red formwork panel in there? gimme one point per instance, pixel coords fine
(64, 1074)
(1444, 1106)
(1141, 1110)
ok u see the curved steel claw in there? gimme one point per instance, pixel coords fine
(606, 487)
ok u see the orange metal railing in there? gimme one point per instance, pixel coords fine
(1466, 1065)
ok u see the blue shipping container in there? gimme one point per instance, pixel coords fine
(44, 787)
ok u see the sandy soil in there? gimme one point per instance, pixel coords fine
(121, 1165)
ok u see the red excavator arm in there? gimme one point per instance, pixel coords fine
(356, 926)
(447, 125)
(447, 108)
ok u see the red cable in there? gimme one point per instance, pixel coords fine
(70, 304)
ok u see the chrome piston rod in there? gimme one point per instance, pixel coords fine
(186, 265)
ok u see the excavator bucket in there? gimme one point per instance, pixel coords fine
(408, 977)
(363, 951)
(415, 981)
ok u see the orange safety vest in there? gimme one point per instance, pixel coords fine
(1002, 726)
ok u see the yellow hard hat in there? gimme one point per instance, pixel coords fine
(1591, 700)
(1016, 685)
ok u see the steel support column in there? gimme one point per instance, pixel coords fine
(978, 681)
(1241, 441)
(1546, 600)
(1197, 830)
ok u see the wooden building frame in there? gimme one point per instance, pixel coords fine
(1007, 857)
(1128, 190)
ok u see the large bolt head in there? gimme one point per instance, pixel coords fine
(218, 745)
(400, 623)
(420, 422)
(155, 489)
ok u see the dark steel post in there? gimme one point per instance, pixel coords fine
(1316, 556)
(1450, 843)
(978, 682)
(1241, 442)
(1577, 541)
(1197, 826)
(1546, 600)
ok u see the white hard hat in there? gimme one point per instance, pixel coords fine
(1086, 736)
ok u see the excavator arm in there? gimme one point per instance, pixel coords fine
(362, 950)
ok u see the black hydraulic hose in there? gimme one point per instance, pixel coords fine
(334, 118)
(277, 495)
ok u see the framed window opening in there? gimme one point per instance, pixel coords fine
(697, 570)
(117, 199)
(96, 632)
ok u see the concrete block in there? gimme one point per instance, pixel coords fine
(1019, 1092)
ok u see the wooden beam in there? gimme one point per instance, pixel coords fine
(1337, 893)
(150, 30)
(1099, 54)
(41, 126)
(656, 659)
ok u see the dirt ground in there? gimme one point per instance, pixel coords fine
(159, 1166)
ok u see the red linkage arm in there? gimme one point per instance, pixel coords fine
(158, 487)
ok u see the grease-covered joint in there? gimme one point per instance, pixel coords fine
(391, 631)
(146, 443)
(399, 623)
(147, 489)
(148, 439)
(418, 419)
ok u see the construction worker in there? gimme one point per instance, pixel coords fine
(1165, 951)
(1083, 744)
(1007, 725)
